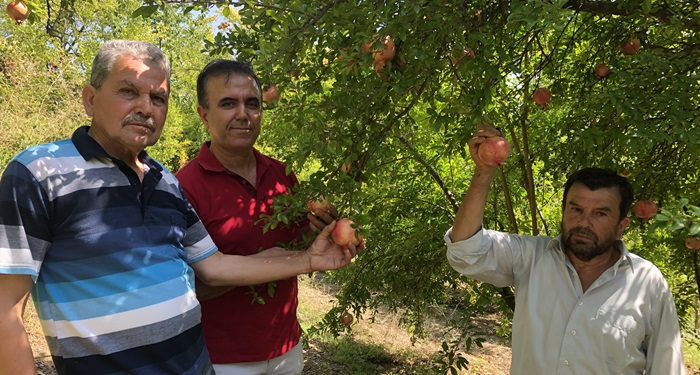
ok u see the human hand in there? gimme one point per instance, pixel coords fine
(483, 132)
(324, 254)
(320, 218)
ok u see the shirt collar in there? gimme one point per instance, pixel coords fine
(89, 149)
(209, 162)
(625, 257)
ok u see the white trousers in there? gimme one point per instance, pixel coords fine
(289, 363)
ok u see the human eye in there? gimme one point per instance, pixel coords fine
(159, 99)
(128, 91)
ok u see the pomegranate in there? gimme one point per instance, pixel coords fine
(645, 209)
(344, 233)
(320, 203)
(467, 52)
(626, 173)
(494, 150)
(270, 94)
(385, 54)
(346, 319)
(631, 46)
(18, 11)
(692, 243)
(541, 96)
(602, 70)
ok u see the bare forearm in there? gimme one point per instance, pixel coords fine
(470, 215)
(234, 270)
(15, 351)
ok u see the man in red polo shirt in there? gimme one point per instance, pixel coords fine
(230, 184)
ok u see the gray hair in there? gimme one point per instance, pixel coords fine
(111, 50)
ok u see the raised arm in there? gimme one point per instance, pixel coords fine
(471, 212)
(16, 356)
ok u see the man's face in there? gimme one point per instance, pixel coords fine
(591, 221)
(129, 110)
(234, 113)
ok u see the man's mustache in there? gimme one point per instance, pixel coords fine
(141, 119)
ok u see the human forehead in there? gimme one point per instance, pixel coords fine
(133, 71)
(601, 198)
(240, 83)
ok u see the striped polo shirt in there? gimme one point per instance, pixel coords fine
(110, 258)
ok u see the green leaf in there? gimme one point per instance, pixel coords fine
(694, 229)
(646, 6)
(145, 11)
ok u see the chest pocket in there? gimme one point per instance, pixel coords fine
(622, 338)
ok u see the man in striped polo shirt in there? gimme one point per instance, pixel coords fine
(105, 240)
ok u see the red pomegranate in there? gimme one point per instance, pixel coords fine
(645, 209)
(541, 96)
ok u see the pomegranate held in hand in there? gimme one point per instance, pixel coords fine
(18, 11)
(320, 203)
(344, 233)
(494, 150)
(645, 209)
(541, 96)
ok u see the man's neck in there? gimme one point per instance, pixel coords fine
(242, 163)
(590, 270)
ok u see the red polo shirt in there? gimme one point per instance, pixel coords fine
(237, 329)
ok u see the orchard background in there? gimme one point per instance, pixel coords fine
(385, 138)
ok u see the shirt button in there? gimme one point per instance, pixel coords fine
(580, 303)
(566, 363)
(573, 333)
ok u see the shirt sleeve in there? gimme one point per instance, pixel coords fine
(664, 353)
(487, 256)
(25, 226)
(197, 242)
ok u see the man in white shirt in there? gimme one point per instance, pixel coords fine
(584, 303)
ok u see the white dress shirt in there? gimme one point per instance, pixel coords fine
(625, 323)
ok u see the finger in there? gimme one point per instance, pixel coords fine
(323, 217)
(333, 211)
(326, 231)
(314, 222)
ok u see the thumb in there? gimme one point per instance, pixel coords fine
(326, 232)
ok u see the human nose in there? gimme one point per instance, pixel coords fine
(144, 105)
(584, 220)
(240, 112)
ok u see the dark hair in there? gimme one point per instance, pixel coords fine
(595, 178)
(222, 67)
